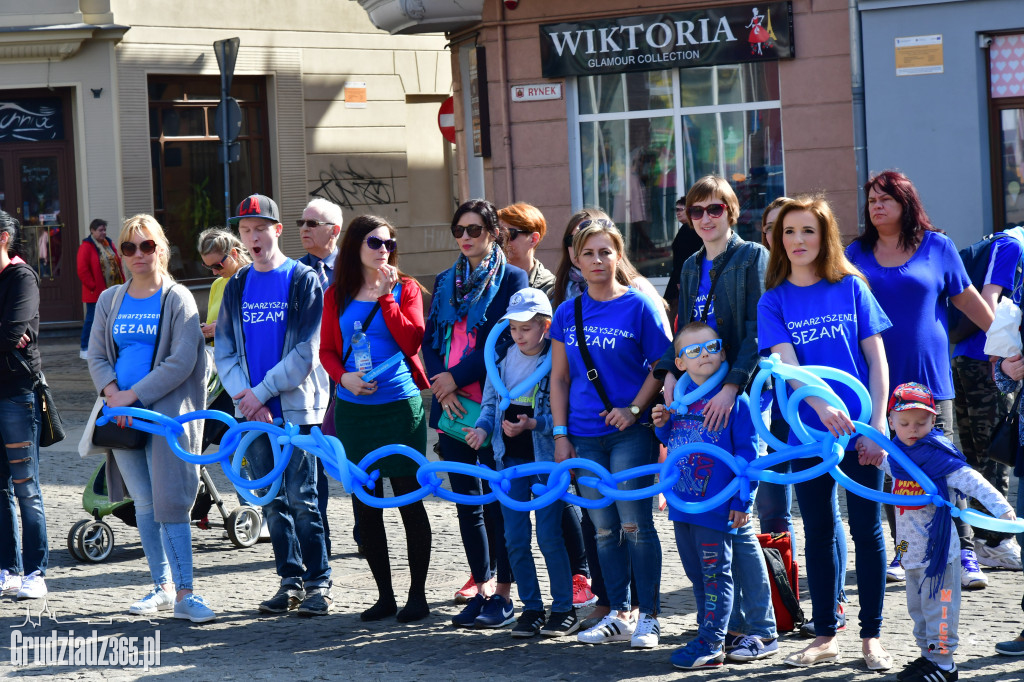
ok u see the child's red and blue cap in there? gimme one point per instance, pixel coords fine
(912, 396)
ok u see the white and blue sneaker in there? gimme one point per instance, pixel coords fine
(753, 648)
(608, 629)
(697, 654)
(647, 633)
(157, 600)
(497, 612)
(971, 577)
(193, 608)
(10, 583)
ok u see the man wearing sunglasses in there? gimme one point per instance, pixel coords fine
(267, 354)
(319, 228)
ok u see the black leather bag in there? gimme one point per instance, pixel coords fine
(51, 426)
(110, 435)
(1005, 442)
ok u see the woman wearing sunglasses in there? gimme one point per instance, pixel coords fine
(146, 350)
(222, 252)
(602, 420)
(370, 290)
(818, 310)
(526, 228)
(469, 299)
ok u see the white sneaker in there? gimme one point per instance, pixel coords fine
(895, 572)
(32, 587)
(10, 583)
(647, 633)
(157, 600)
(971, 577)
(608, 629)
(1004, 555)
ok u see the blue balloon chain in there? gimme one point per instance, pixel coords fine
(357, 478)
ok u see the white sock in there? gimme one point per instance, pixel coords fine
(950, 668)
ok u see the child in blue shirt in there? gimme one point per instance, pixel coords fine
(520, 434)
(704, 540)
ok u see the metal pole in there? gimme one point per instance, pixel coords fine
(224, 144)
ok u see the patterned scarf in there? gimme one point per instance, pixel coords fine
(465, 292)
(108, 263)
(576, 284)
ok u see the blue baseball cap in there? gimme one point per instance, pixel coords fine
(526, 303)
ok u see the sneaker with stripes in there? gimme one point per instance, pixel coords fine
(608, 629)
(925, 670)
(564, 623)
(647, 633)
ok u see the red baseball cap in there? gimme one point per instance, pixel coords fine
(912, 396)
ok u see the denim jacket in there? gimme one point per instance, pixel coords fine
(739, 288)
(491, 417)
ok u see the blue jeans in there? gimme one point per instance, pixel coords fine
(707, 559)
(293, 517)
(90, 314)
(752, 611)
(160, 541)
(625, 529)
(817, 499)
(518, 537)
(19, 423)
(774, 501)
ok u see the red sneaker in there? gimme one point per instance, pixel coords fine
(467, 592)
(581, 593)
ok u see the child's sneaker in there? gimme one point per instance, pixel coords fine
(971, 577)
(895, 572)
(753, 648)
(698, 654)
(467, 617)
(561, 623)
(608, 629)
(647, 633)
(496, 612)
(10, 583)
(529, 624)
(32, 587)
(732, 641)
(927, 671)
(911, 667)
(158, 599)
(193, 608)
(582, 595)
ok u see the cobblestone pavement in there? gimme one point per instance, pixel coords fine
(241, 644)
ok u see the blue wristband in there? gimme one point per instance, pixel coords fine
(560, 431)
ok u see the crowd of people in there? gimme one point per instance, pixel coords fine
(293, 341)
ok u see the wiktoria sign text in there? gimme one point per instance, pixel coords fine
(720, 35)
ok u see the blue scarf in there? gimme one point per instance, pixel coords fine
(465, 292)
(938, 458)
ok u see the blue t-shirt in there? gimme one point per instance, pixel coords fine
(825, 323)
(703, 291)
(914, 296)
(625, 337)
(264, 320)
(134, 331)
(395, 383)
(1003, 260)
(703, 476)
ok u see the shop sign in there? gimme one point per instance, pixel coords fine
(536, 92)
(701, 37)
(31, 120)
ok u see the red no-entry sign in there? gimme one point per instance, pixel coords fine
(446, 119)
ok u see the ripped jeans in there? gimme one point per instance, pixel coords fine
(19, 424)
(625, 529)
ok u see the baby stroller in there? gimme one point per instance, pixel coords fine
(92, 540)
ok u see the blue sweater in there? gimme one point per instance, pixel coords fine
(703, 476)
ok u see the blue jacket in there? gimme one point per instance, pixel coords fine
(471, 369)
(491, 417)
(298, 379)
(739, 288)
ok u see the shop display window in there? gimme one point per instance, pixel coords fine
(1006, 103)
(645, 137)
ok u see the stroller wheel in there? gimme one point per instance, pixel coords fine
(73, 538)
(95, 541)
(243, 526)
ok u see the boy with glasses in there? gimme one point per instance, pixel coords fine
(267, 350)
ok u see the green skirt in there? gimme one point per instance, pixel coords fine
(364, 428)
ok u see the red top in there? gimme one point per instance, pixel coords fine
(403, 319)
(90, 271)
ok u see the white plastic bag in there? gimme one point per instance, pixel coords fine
(1003, 338)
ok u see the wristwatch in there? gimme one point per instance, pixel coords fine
(634, 410)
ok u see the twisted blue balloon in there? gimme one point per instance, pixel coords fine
(494, 375)
(681, 400)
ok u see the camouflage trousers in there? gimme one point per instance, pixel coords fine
(979, 408)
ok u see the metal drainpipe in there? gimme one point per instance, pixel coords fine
(860, 135)
(506, 125)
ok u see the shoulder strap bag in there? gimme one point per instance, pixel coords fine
(51, 426)
(588, 362)
(729, 252)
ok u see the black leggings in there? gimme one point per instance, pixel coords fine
(375, 540)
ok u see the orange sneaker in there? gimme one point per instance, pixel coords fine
(467, 592)
(581, 593)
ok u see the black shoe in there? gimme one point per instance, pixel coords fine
(561, 623)
(911, 667)
(384, 608)
(287, 598)
(317, 602)
(529, 624)
(927, 671)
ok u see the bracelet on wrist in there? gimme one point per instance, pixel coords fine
(560, 435)
(561, 430)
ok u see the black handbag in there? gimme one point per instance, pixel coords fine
(51, 426)
(1005, 440)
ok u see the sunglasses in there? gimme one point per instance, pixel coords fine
(219, 265)
(310, 223)
(693, 351)
(713, 210)
(514, 232)
(376, 242)
(473, 230)
(147, 247)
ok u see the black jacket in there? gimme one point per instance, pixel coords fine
(19, 314)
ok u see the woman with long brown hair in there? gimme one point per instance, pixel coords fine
(372, 296)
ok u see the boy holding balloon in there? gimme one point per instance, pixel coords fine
(515, 415)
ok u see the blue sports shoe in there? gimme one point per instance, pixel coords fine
(698, 654)
(467, 617)
(497, 612)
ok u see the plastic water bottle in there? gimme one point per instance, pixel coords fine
(361, 349)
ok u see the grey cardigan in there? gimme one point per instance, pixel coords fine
(176, 385)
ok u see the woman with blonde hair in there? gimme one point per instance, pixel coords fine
(818, 310)
(146, 350)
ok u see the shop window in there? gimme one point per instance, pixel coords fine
(1006, 99)
(645, 137)
(188, 178)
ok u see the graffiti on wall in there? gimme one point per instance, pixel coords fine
(348, 187)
